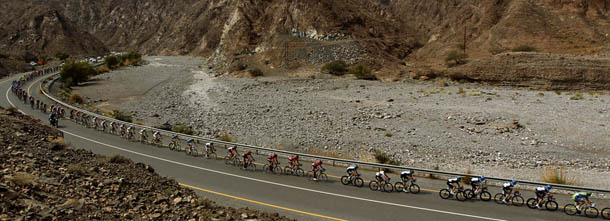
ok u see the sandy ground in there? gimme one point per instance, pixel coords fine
(492, 131)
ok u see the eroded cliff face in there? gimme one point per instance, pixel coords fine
(277, 33)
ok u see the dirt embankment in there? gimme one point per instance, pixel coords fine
(42, 180)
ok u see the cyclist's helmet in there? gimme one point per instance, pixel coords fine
(249, 152)
(513, 182)
(320, 162)
(274, 154)
(482, 177)
(174, 137)
(589, 193)
(207, 144)
(459, 177)
(296, 156)
(355, 166)
(548, 188)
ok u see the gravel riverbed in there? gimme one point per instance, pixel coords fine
(507, 132)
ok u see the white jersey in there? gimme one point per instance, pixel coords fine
(540, 189)
(475, 180)
(505, 185)
(406, 173)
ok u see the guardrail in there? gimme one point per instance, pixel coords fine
(333, 160)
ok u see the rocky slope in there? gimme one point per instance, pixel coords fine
(282, 35)
(42, 180)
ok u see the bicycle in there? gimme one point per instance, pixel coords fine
(354, 180)
(321, 175)
(412, 187)
(156, 141)
(210, 153)
(459, 194)
(174, 146)
(606, 213)
(231, 160)
(483, 194)
(129, 136)
(549, 204)
(143, 138)
(296, 171)
(276, 169)
(385, 186)
(250, 166)
(192, 151)
(516, 199)
(589, 209)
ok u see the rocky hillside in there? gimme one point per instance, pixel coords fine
(41, 179)
(395, 36)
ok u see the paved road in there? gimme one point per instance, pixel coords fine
(292, 196)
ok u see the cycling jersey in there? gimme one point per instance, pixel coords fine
(507, 188)
(507, 185)
(580, 196)
(142, 131)
(247, 154)
(292, 158)
(475, 180)
(453, 180)
(189, 141)
(271, 157)
(540, 189)
(380, 174)
(231, 149)
(350, 169)
(404, 175)
(316, 164)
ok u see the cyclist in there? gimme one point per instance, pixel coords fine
(157, 137)
(315, 167)
(103, 123)
(122, 130)
(111, 126)
(174, 140)
(293, 161)
(476, 183)
(580, 199)
(541, 191)
(508, 188)
(190, 143)
(94, 121)
(232, 151)
(405, 176)
(129, 132)
(352, 171)
(454, 183)
(143, 134)
(272, 159)
(209, 148)
(247, 158)
(381, 176)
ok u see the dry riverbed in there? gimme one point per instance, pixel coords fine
(504, 132)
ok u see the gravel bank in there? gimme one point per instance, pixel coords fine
(493, 131)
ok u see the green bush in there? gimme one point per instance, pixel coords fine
(524, 48)
(337, 67)
(363, 72)
(132, 56)
(182, 129)
(255, 72)
(61, 55)
(73, 73)
(76, 98)
(122, 116)
(112, 61)
(455, 58)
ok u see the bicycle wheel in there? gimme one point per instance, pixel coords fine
(211, 155)
(498, 198)
(570, 209)
(373, 185)
(323, 177)
(228, 161)
(444, 194)
(485, 196)
(309, 174)
(591, 212)
(288, 170)
(531, 203)
(277, 170)
(266, 168)
(387, 187)
(171, 146)
(606, 213)
(517, 201)
(398, 187)
(345, 180)
(359, 182)
(251, 167)
(461, 196)
(414, 188)
(469, 193)
(551, 206)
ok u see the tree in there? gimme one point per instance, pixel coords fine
(337, 67)
(111, 61)
(73, 73)
(61, 55)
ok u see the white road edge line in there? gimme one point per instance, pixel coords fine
(269, 182)
(280, 184)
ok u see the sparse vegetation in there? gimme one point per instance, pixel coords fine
(455, 58)
(540, 94)
(524, 48)
(112, 61)
(557, 175)
(74, 73)
(388, 134)
(75, 98)
(103, 69)
(577, 96)
(558, 92)
(59, 143)
(337, 67)
(255, 72)
(61, 55)
(362, 72)
(131, 57)
(120, 115)
(23, 179)
(118, 159)
(182, 129)
(466, 178)
(12, 110)
(384, 158)
(76, 168)
(226, 137)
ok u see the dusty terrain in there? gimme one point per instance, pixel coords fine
(493, 131)
(43, 180)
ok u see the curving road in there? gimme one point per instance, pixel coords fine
(295, 197)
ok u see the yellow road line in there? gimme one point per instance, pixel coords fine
(260, 203)
(33, 83)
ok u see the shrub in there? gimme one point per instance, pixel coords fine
(23, 179)
(73, 73)
(112, 61)
(120, 115)
(76, 98)
(76, 169)
(361, 71)
(226, 137)
(182, 129)
(466, 179)
(103, 69)
(337, 67)
(12, 110)
(388, 134)
(61, 55)
(524, 48)
(59, 143)
(577, 96)
(118, 159)
(132, 57)
(557, 175)
(255, 72)
(384, 158)
(455, 58)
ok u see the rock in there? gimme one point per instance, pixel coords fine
(177, 200)
(244, 215)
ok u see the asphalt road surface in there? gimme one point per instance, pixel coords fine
(296, 197)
